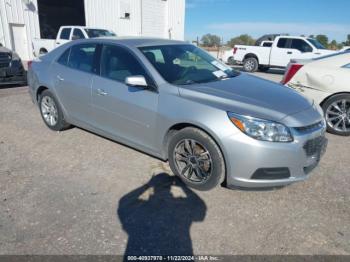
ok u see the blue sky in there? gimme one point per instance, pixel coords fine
(228, 18)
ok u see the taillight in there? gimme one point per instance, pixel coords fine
(290, 72)
(29, 64)
(235, 50)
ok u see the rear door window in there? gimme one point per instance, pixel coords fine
(65, 33)
(82, 57)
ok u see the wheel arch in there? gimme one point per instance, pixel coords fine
(43, 50)
(179, 126)
(39, 92)
(334, 94)
(251, 55)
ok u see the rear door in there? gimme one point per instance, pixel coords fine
(63, 36)
(281, 53)
(124, 111)
(73, 73)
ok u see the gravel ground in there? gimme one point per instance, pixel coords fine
(74, 192)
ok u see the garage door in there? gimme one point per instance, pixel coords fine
(154, 18)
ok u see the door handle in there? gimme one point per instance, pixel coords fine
(60, 78)
(289, 52)
(57, 43)
(317, 53)
(101, 92)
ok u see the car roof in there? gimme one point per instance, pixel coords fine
(134, 41)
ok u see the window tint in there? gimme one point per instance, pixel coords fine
(282, 43)
(77, 34)
(117, 64)
(186, 64)
(315, 43)
(82, 57)
(63, 60)
(65, 33)
(155, 56)
(301, 45)
(92, 33)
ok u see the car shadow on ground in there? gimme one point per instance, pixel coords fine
(10, 86)
(158, 215)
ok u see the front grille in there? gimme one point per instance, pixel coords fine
(310, 128)
(315, 146)
(5, 59)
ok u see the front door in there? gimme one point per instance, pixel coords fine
(123, 111)
(19, 40)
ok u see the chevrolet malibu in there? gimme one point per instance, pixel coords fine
(174, 101)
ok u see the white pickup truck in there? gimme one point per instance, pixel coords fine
(66, 34)
(279, 54)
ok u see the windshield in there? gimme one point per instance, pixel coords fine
(92, 33)
(186, 64)
(315, 43)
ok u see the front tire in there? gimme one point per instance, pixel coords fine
(51, 112)
(337, 113)
(196, 159)
(250, 64)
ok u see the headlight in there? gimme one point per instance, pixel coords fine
(261, 129)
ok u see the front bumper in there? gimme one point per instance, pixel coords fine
(288, 162)
(13, 74)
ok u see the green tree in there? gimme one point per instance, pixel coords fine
(323, 39)
(347, 42)
(210, 40)
(333, 45)
(241, 40)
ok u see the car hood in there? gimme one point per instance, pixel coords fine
(249, 95)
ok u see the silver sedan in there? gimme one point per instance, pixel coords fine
(174, 101)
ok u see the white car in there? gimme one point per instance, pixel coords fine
(326, 81)
(66, 34)
(279, 54)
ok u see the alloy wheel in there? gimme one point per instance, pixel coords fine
(49, 110)
(193, 161)
(338, 115)
(249, 65)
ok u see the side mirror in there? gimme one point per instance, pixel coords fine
(138, 81)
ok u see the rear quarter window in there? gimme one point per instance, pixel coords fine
(63, 59)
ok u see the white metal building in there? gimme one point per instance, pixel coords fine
(23, 20)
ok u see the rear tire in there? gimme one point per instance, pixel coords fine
(231, 60)
(51, 112)
(196, 159)
(250, 64)
(337, 113)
